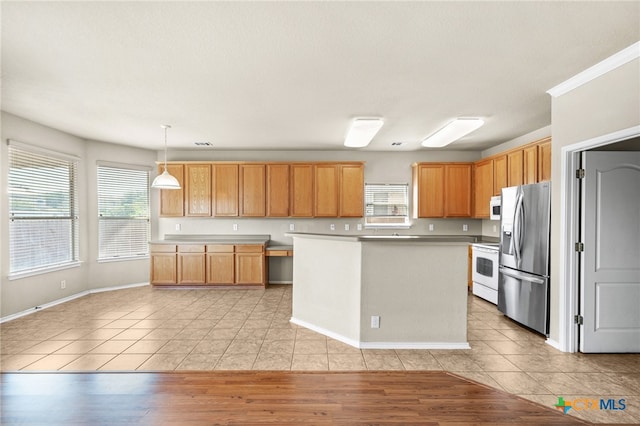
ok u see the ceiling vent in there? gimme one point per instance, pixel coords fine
(203, 144)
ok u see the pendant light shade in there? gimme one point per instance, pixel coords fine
(165, 180)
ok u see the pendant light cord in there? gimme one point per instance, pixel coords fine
(165, 127)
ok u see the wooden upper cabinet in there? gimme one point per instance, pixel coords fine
(326, 190)
(172, 200)
(252, 190)
(301, 186)
(457, 190)
(483, 187)
(277, 203)
(225, 189)
(429, 190)
(351, 190)
(197, 190)
(499, 174)
(544, 160)
(530, 164)
(515, 174)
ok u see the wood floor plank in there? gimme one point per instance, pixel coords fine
(244, 398)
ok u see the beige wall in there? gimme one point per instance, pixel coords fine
(22, 294)
(607, 104)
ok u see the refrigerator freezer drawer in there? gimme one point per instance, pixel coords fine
(524, 298)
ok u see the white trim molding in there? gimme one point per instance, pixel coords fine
(569, 211)
(381, 345)
(612, 62)
(67, 299)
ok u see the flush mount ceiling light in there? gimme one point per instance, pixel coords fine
(361, 132)
(452, 132)
(165, 180)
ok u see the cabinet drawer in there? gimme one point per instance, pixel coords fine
(249, 248)
(219, 248)
(279, 252)
(191, 248)
(163, 248)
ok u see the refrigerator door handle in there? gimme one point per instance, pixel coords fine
(521, 276)
(517, 227)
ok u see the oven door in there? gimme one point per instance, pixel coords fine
(485, 267)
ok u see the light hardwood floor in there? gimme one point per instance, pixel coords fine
(149, 329)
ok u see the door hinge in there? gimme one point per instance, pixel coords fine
(580, 247)
(578, 319)
(580, 174)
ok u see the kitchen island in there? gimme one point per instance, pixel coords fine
(382, 292)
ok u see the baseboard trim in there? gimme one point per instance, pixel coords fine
(381, 345)
(67, 299)
(554, 344)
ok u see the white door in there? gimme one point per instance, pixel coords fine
(610, 263)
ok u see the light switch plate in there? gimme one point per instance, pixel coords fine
(359, 227)
(292, 227)
(235, 226)
(346, 226)
(332, 226)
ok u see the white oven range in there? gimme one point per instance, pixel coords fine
(484, 272)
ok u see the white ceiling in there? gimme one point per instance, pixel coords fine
(292, 75)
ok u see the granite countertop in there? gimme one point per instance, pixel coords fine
(213, 239)
(393, 238)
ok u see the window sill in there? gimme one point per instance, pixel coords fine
(40, 271)
(122, 259)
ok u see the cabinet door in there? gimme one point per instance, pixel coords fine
(457, 193)
(252, 190)
(483, 187)
(351, 190)
(301, 190)
(225, 189)
(191, 269)
(326, 190)
(172, 200)
(163, 268)
(277, 190)
(220, 268)
(530, 164)
(499, 174)
(544, 161)
(515, 175)
(198, 190)
(250, 268)
(429, 187)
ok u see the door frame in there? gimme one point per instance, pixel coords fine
(569, 232)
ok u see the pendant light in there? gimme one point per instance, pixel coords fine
(165, 180)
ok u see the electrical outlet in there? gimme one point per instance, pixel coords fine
(431, 227)
(292, 227)
(178, 227)
(63, 284)
(346, 226)
(235, 226)
(332, 226)
(359, 227)
(465, 227)
(375, 321)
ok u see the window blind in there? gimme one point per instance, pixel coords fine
(43, 229)
(386, 204)
(123, 212)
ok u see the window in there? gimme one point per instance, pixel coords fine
(123, 211)
(43, 229)
(386, 205)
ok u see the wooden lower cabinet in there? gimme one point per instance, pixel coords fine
(211, 264)
(220, 268)
(164, 269)
(191, 268)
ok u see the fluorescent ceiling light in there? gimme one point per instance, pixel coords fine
(361, 132)
(452, 131)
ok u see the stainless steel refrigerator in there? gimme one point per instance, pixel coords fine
(523, 279)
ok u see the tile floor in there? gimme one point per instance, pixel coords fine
(149, 329)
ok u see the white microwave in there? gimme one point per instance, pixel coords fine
(495, 208)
